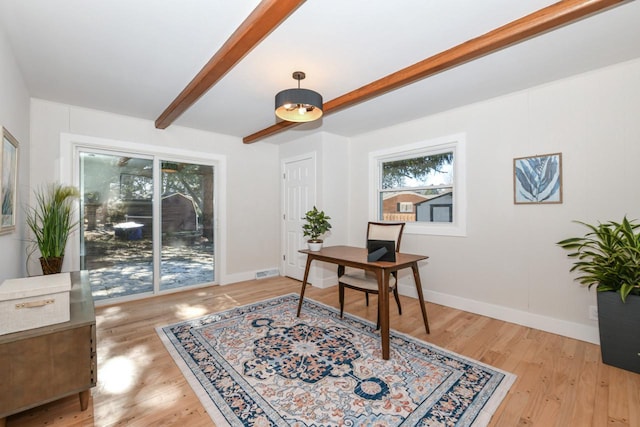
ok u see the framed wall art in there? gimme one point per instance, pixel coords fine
(537, 179)
(8, 182)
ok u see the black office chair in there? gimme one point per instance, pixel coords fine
(365, 281)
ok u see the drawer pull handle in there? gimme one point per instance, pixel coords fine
(34, 304)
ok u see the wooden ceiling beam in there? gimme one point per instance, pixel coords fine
(264, 19)
(536, 23)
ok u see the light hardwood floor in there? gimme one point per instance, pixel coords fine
(561, 381)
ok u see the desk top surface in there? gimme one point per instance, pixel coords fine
(358, 256)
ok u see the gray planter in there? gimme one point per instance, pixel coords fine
(619, 325)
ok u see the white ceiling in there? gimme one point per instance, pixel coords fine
(134, 57)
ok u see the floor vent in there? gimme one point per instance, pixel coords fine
(267, 273)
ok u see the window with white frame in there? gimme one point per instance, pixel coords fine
(421, 184)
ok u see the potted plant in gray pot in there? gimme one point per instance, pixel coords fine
(608, 256)
(317, 223)
(51, 221)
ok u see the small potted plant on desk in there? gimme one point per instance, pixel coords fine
(316, 225)
(608, 256)
(51, 221)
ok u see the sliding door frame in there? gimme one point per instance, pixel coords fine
(69, 172)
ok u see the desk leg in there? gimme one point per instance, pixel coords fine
(304, 283)
(341, 289)
(383, 309)
(416, 279)
(84, 399)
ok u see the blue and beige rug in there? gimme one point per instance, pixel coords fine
(260, 365)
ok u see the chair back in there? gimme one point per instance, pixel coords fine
(386, 231)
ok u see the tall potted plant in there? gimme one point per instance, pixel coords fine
(51, 221)
(317, 223)
(608, 256)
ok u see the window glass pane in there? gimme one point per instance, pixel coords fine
(427, 205)
(187, 254)
(423, 171)
(136, 187)
(116, 215)
(424, 187)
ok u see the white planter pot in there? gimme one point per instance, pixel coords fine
(315, 245)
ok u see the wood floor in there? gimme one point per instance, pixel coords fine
(561, 381)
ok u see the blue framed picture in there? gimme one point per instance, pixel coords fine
(537, 179)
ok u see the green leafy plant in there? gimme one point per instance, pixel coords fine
(316, 224)
(608, 256)
(51, 219)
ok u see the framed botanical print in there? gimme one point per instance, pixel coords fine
(8, 181)
(537, 179)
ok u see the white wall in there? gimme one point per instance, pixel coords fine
(508, 266)
(14, 116)
(331, 191)
(252, 175)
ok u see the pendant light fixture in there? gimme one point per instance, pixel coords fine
(298, 105)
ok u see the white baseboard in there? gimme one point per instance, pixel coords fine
(548, 324)
(238, 277)
(326, 282)
(314, 278)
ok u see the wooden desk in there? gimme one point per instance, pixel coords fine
(349, 256)
(45, 364)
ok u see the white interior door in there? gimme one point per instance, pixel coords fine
(299, 194)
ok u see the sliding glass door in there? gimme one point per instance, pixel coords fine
(187, 224)
(147, 223)
(117, 223)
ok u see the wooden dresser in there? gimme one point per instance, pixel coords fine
(45, 364)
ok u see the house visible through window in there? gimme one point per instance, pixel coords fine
(422, 185)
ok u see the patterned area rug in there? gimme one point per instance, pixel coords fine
(260, 365)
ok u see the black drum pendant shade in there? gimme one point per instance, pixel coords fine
(298, 105)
